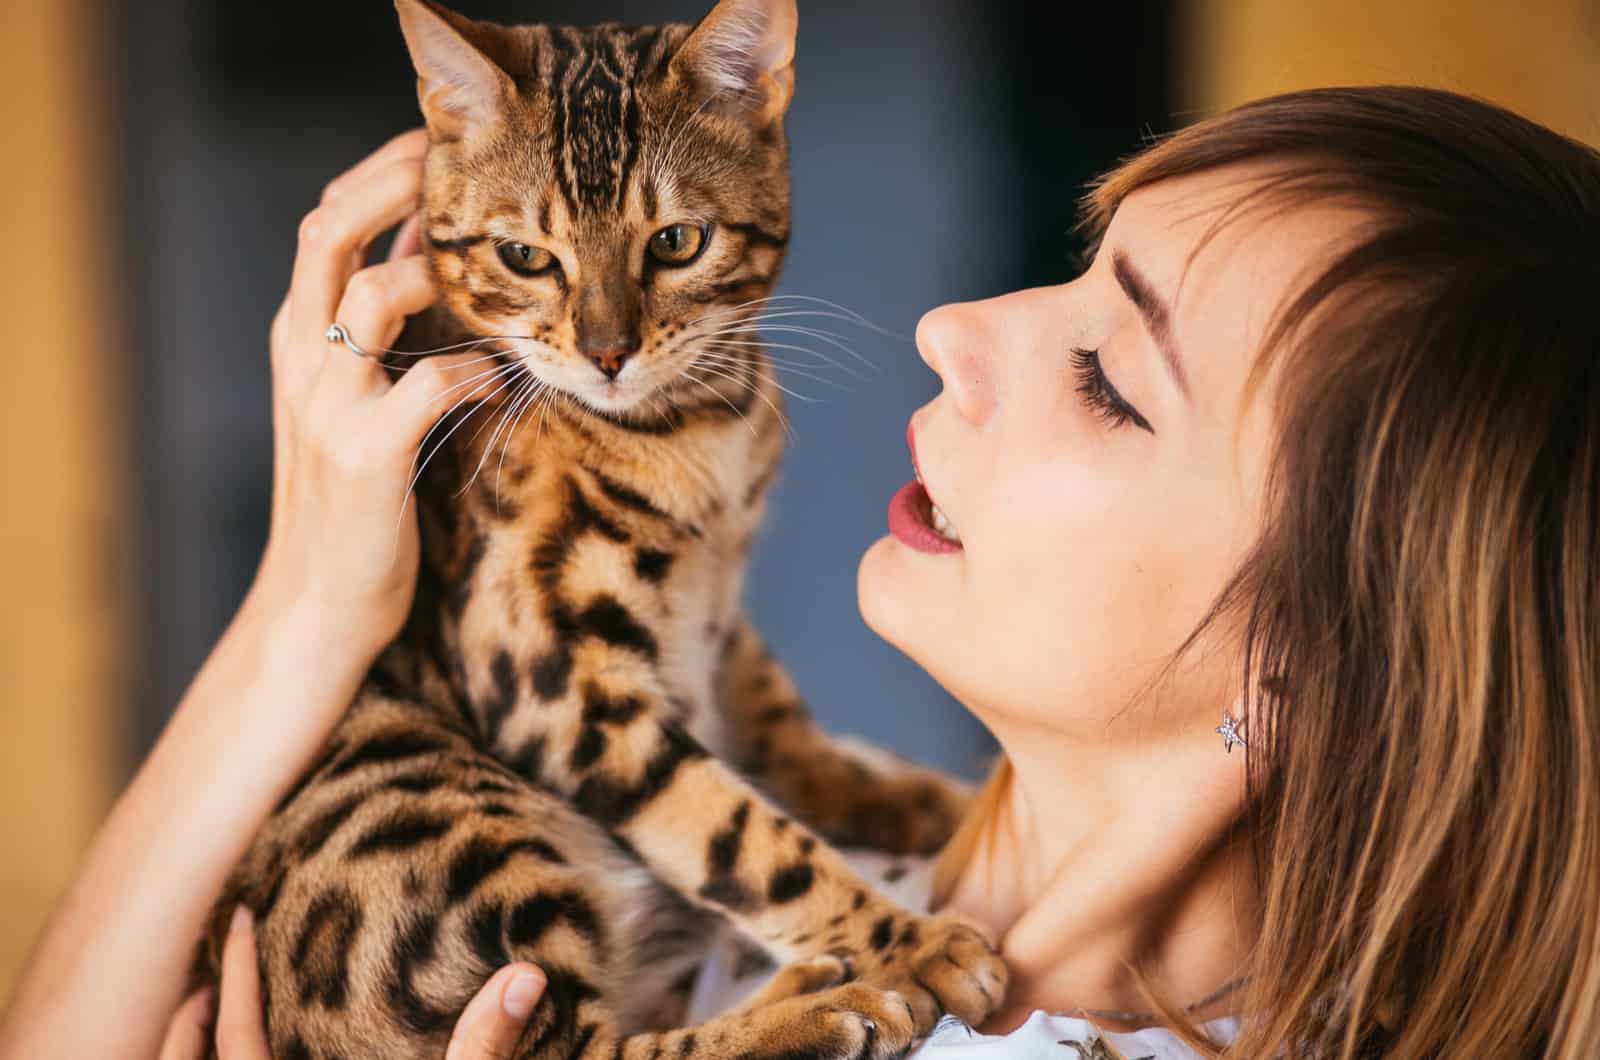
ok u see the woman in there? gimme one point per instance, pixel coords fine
(1307, 460)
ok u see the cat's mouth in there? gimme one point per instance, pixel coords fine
(651, 383)
(550, 372)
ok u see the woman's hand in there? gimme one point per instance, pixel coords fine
(487, 1030)
(340, 567)
(334, 585)
(342, 548)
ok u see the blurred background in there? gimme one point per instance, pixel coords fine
(159, 154)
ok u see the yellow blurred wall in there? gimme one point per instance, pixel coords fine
(1538, 57)
(62, 618)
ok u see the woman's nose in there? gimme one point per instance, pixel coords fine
(952, 340)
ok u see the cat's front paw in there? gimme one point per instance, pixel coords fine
(943, 964)
(851, 1022)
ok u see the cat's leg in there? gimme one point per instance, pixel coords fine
(409, 866)
(854, 794)
(799, 979)
(850, 1022)
(609, 743)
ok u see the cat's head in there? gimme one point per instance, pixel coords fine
(609, 196)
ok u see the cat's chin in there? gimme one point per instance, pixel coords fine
(635, 407)
(609, 397)
(613, 399)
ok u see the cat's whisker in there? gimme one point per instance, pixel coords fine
(807, 398)
(403, 369)
(747, 385)
(550, 398)
(530, 397)
(767, 347)
(417, 477)
(470, 385)
(841, 312)
(803, 370)
(508, 378)
(505, 373)
(764, 321)
(783, 420)
(524, 396)
(795, 317)
(787, 304)
(376, 350)
(821, 336)
(655, 406)
(756, 352)
(757, 326)
(714, 357)
(689, 374)
(810, 333)
(520, 383)
(756, 314)
(508, 406)
(475, 380)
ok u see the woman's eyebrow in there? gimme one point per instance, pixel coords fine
(1157, 317)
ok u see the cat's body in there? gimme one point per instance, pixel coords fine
(549, 763)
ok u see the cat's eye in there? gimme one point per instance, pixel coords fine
(525, 260)
(678, 244)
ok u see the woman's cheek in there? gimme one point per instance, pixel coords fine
(1069, 572)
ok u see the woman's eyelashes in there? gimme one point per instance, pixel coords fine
(1101, 396)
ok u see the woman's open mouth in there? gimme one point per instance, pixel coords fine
(915, 521)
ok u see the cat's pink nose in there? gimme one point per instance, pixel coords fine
(610, 362)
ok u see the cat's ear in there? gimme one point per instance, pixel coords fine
(741, 56)
(459, 87)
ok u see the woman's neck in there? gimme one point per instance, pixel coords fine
(1107, 856)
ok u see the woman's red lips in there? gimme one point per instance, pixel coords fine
(911, 512)
(910, 515)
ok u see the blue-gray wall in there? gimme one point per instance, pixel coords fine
(937, 147)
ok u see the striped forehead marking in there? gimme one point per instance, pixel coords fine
(593, 78)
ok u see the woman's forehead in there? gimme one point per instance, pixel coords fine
(1213, 240)
(1225, 259)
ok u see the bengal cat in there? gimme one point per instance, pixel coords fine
(578, 753)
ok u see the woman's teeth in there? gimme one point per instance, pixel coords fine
(937, 519)
(941, 525)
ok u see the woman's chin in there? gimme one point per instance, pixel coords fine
(914, 607)
(891, 593)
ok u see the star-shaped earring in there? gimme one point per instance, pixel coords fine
(1229, 731)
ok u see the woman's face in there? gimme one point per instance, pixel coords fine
(1093, 451)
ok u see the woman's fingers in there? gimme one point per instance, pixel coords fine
(333, 233)
(493, 1021)
(376, 302)
(407, 146)
(240, 1035)
(434, 385)
(189, 1029)
(408, 240)
(413, 144)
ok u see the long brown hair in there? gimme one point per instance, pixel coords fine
(1422, 611)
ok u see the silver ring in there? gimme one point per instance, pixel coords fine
(339, 333)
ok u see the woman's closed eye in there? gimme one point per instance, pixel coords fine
(1101, 396)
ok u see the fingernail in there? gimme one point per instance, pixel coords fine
(241, 919)
(520, 996)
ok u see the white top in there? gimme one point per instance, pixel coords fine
(728, 976)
